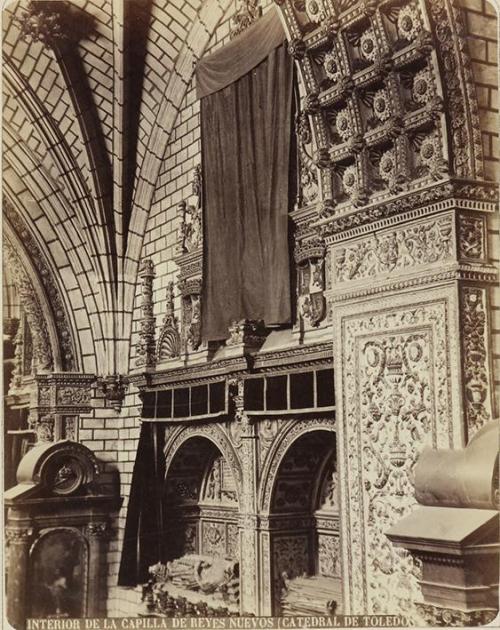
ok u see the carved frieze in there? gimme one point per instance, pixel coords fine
(422, 243)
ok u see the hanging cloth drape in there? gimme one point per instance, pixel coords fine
(246, 131)
(143, 544)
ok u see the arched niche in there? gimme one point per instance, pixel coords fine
(59, 563)
(304, 526)
(201, 502)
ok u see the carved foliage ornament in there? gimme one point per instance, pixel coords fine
(475, 344)
(424, 243)
(401, 404)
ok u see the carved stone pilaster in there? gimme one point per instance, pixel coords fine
(145, 349)
(19, 541)
(169, 341)
(244, 437)
(475, 344)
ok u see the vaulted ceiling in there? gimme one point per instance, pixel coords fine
(91, 93)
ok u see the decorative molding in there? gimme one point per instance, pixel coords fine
(59, 312)
(42, 349)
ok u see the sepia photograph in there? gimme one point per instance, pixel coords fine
(251, 314)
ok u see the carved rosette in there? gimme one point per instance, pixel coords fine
(145, 349)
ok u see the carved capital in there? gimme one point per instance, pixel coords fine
(97, 530)
(21, 536)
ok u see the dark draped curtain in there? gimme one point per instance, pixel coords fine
(246, 131)
(143, 544)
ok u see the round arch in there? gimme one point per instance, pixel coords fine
(292, 431)
(219, 439)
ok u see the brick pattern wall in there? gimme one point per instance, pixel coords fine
(482, 37)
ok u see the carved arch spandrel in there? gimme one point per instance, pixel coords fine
(214, 434)
(291, 432)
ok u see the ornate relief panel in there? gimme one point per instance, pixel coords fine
(476, 369)
(397, 393)
(395, 250)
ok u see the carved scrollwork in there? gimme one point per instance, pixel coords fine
(428, 242)
(403, 404)
(475, 344)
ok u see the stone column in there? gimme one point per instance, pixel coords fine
(244, 436)
(97, 534)
(19, 541)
